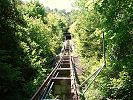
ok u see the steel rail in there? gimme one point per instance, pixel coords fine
(39, 92)
(74, 92)
(47, 85)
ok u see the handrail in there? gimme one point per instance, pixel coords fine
(93, 79)
(100, 69)
(89, 77)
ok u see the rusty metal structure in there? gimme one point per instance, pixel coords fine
(61, 82)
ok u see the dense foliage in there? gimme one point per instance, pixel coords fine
(115, 19)
(30, 38)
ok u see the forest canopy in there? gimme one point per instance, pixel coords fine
(114, 18)
(31, 36)
(27, 46)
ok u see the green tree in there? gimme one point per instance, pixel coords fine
(114, 18)
(26, 47)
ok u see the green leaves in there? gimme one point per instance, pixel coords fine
(27, 47)
(118, 44)
(113, 17)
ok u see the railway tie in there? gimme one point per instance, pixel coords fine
(61, 83)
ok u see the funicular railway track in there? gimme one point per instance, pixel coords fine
(61, 83)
